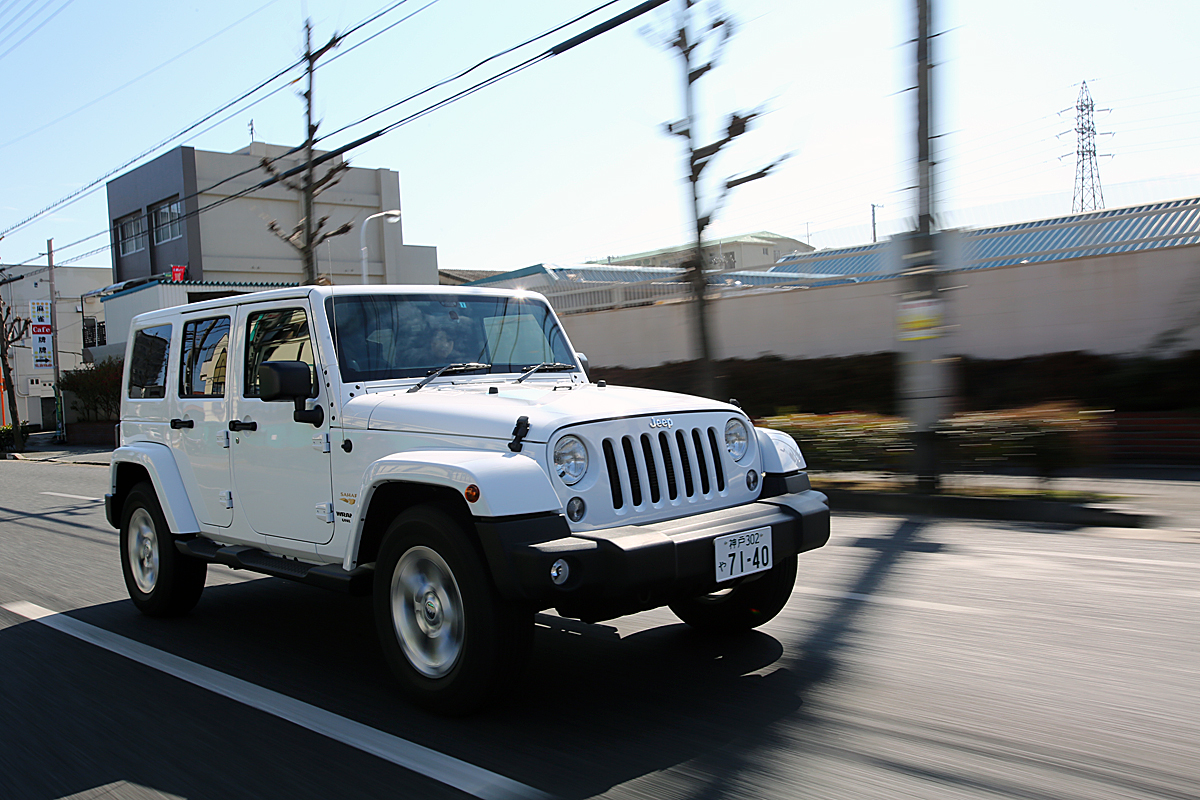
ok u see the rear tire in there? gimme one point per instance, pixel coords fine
(447, 635)
(743, 607)
(162, 582)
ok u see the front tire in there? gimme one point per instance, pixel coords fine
(447, 635)
(162, 582)
(743, 607)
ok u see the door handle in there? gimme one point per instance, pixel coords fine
(238, 425)
(183, 423)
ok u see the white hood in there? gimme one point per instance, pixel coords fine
(470, 410)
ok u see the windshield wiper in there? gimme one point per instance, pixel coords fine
(467, 367)
(548, 366)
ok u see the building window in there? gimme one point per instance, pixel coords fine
(167, 219)
(131, 233)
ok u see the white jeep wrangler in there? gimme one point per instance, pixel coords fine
(443, 450)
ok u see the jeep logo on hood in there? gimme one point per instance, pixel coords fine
(661, 422)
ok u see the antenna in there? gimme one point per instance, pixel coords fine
(1088, 194)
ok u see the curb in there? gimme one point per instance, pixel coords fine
(1084, 515)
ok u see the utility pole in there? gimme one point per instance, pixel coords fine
(307, 235)
(59, 416)
(308, 252)
(919, 316)
(873, 207)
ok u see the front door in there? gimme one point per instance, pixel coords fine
(281, 468)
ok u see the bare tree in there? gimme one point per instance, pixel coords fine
(710, 38)
(13, 329)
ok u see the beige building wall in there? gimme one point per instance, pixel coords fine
(236, 244)
(1146, 302)
(70, 283)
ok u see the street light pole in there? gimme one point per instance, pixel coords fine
(393, 216)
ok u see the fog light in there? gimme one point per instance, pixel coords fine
(576, 508)
(560, 570)
(752, 480)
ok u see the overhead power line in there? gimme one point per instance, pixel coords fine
(558, 49)
(145, 74)
(145, 153)
(40, 25)
(466, 71)
(93, 185)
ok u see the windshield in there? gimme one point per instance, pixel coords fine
(382, 337)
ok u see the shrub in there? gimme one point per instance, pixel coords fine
(97, 389)
(6, 435)
(1041, 439)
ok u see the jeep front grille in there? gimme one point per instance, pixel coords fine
(648, 467)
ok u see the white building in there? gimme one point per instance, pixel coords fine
(80, 321)
(748, 251)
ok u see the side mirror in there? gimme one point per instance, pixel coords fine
(280, 381)
(284, 380)
(583, 362)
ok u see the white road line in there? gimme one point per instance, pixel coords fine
(1085, 557)
(442, 768)
(74, 496)
(891, 601)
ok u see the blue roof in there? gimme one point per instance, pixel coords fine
(1173, 223)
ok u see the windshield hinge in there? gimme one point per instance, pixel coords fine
(520, 431)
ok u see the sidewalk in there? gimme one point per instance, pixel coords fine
(1141, 497)
(42, 447)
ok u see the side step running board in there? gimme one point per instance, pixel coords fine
(326, 576)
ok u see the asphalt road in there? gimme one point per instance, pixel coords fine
(918, 658)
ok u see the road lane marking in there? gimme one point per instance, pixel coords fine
(1087, 557)
(442, 768)
(75, 496)
(890, 601)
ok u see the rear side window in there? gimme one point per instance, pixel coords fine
(148, 363)
(276, 335)
(204, 352)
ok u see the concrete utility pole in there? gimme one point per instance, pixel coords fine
(308, 253)
(307, 235)
(919, 318)
(59, 416)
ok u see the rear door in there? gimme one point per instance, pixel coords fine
(199, 432)
(281, 468)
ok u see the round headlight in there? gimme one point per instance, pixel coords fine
(737, 438)
(570, 460)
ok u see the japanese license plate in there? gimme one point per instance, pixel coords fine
(743, 553)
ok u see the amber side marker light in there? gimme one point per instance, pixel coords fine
(471, 493)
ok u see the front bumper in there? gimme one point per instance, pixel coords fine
(620, 570)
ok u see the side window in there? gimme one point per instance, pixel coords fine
(203, 356)
(276, 335)
(148, 363)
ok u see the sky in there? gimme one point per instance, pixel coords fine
(568, 160)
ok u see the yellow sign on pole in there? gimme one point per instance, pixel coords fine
(919, 319)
